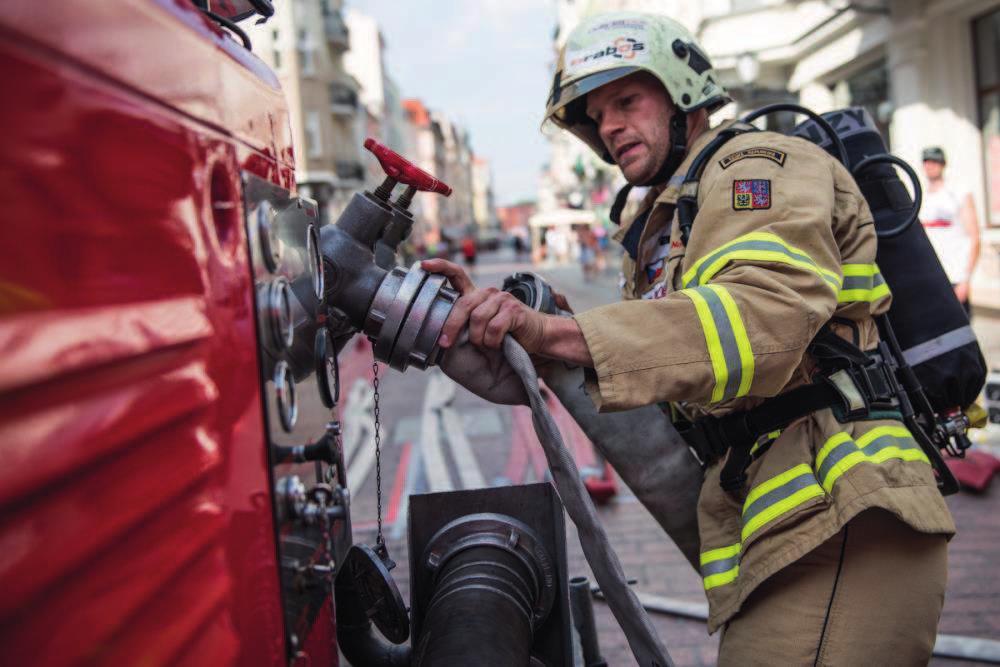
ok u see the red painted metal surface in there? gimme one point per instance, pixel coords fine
(404, 171)
(135, 511)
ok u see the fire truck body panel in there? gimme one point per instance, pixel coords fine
(136, 520)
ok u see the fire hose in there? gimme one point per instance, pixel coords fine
(402, 312)
(630, 614)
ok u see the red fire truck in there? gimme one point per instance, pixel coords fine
(172, 489)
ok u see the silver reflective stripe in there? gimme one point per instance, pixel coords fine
(727, 339)
(943, 344)
(804, 480)
(719, 566)
(845, 449)
(769, 246)
(862, 282)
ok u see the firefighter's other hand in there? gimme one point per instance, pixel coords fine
(489, 313)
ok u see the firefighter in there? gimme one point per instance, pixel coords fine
(823, 542)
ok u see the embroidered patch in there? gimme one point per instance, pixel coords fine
(751, 194)
(654, 270)
(772, 154)
(655, 292)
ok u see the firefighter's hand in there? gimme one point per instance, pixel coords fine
(489, 313)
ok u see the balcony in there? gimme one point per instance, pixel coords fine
(336, 32)
(343, 99)
(349, 171)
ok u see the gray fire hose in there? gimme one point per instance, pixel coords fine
(645, 450)
(630, 614)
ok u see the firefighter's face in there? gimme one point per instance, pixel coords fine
(633, 120)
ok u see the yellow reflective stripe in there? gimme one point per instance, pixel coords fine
(850, 452)
(720, 566)
(866, 439)
(779, 508)
(862, 282)
(764, 440)
(752, 247)
(773, 483)
(842, 466)
(722, 578)
(866, 295)
(720, 553)
(862, 270)
(742, 339)
(787, 490)
(715, 352)
(880, 456)
(829, 446)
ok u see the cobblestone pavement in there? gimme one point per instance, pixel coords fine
(972, 606)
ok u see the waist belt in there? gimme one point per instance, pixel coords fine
(853, 393)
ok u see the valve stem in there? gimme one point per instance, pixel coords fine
(384, 190)
(406, 198)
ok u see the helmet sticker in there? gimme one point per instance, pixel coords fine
(612, 42)
(629, 50)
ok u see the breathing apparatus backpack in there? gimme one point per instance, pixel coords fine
(928, 368)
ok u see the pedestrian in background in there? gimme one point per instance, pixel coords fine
(588, 252)
(469, 252)
(949, 217)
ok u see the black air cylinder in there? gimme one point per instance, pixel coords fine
(930, 324)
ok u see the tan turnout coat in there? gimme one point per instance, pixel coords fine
(782, 242)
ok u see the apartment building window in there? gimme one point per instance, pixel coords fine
(307, 54)
(314, 139)
(868, 88)
(986, 42)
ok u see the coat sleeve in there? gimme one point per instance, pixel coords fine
(761, 276)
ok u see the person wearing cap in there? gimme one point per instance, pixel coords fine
(828, 542)
(949, 218)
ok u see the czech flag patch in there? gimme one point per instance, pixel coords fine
(751, 194)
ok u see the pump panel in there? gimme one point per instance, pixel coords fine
(299, 379)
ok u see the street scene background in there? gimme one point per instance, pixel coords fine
(459, 88)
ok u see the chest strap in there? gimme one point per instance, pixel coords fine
(853, 384)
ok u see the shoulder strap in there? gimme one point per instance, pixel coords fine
(687, 201)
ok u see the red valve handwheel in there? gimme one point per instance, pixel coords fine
(402, 170)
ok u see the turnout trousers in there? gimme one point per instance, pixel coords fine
(870, 595)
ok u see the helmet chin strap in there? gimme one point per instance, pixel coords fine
(678, 149)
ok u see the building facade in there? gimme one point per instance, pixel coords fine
(483, 204)
(305, 43)
(378, 94)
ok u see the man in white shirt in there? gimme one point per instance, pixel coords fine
(949, 218)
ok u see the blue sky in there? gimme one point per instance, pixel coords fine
(485, 63)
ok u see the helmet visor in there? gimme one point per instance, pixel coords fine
(563, 94)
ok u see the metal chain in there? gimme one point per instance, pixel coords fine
(379, 540)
